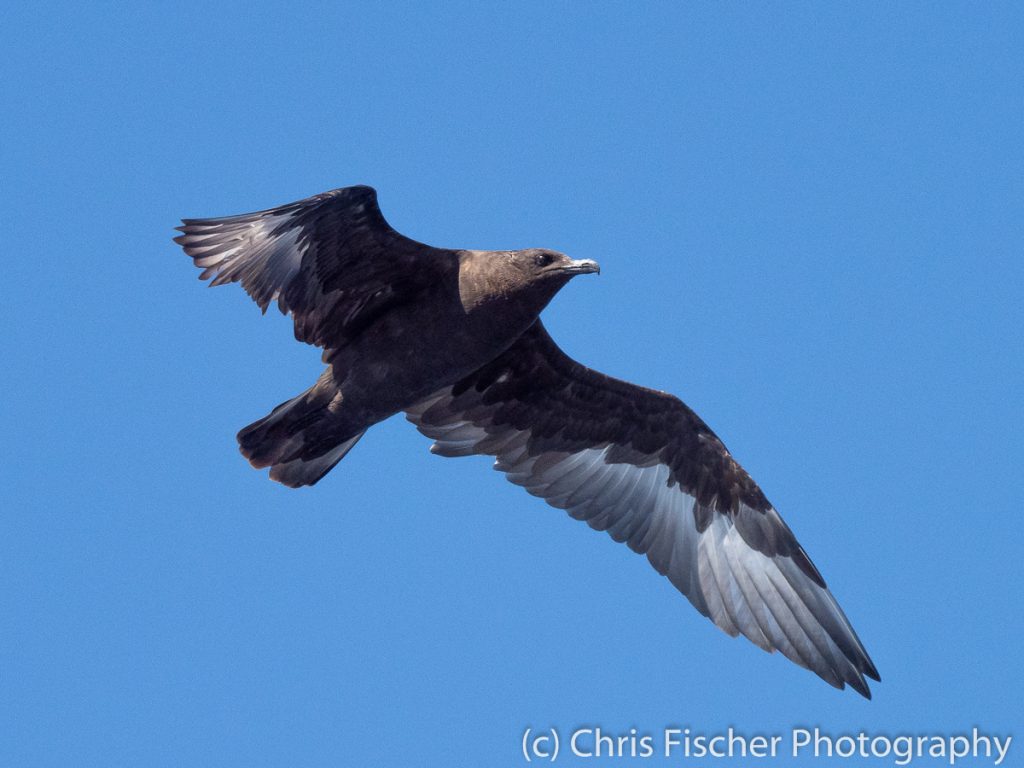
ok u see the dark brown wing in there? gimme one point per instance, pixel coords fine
(331, 260)
(642, 466)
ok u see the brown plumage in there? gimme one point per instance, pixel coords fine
(453, 339)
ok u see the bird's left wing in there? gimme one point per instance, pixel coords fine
(642, 466)
(331, 260)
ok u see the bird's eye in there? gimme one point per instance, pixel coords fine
(543, 259)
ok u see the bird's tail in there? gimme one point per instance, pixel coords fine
(302, 439)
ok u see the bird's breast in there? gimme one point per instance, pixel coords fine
(418, 348)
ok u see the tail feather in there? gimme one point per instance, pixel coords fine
(299, 472)
(302, 439)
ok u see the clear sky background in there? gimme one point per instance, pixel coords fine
(809, 218)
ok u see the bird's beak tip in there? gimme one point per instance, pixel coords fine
(586, 266)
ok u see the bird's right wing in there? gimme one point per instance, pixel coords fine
(642, 466)
(331, 260)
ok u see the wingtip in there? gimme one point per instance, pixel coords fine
(862, 688)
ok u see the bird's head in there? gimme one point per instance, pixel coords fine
(534, 275)
(540, 265)
(529, 278)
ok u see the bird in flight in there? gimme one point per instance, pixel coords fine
(453, 339)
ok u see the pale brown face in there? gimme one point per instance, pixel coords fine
(544, 264)
(533, 276)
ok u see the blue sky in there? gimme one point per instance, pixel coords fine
(809, 222)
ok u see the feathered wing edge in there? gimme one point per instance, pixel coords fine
(329, 260)
(740, 566)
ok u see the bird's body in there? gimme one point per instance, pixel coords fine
(442, 332)
(453, 339)
(435, 335)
